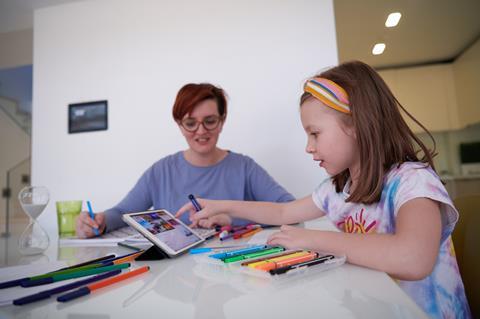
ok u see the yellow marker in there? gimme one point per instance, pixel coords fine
(301, 253)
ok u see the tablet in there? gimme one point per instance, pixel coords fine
(164, 230)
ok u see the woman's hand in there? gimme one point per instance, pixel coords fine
(84, 224)
(292, 237)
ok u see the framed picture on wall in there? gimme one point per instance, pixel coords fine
(88, 116)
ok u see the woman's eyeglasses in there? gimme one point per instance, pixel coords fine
(209, 123)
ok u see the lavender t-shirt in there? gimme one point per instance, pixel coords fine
(441, 294)
(167, 183)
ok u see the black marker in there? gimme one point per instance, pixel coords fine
(194, 202)
(282, 270)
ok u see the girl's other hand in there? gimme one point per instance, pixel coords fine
(291, 237)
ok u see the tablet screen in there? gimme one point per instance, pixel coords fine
(169, 231)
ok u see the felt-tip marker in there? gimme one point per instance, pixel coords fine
(194, 202)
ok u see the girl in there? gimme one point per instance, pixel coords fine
(393, 211)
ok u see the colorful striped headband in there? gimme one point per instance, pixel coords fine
(329, 93)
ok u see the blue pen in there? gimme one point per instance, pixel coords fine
(92, 216)
(238, 252)
(194, 202)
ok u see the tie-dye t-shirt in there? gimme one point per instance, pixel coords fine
(441, 294)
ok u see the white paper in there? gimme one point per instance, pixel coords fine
(125, 234)
(16, 272)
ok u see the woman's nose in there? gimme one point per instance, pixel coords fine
(201, 129)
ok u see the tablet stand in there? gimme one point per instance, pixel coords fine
(153, 253)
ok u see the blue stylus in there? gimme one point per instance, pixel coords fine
(92, 216)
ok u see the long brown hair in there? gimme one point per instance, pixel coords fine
(383, 136)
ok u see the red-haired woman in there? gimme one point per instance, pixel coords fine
(203, 169)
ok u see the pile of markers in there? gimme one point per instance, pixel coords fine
(228, 232)
(107, 271)
(272, 259)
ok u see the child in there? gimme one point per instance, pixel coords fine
(393, 211)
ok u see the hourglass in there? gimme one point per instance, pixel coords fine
(34, 240)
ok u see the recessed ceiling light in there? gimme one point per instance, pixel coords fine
(393, 19)
(378, 48)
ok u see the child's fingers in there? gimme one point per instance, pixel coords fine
(279, 242)
(205, 223)
(203, 214)
(188, 207)
(286, 228)
(276, 236)
(193, 224)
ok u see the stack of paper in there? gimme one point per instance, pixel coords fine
(125, 234)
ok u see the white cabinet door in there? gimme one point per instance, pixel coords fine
(427, 93)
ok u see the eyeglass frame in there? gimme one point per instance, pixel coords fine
(220, 118)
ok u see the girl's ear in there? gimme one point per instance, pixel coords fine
(349, 129)
(352, 132)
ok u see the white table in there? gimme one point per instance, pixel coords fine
(186, 288)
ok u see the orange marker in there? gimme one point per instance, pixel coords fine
(127, 258)
(86, 290)
(250, 233)
(287, 262)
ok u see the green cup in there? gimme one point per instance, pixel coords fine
(67, 213)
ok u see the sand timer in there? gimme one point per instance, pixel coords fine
(34, 240)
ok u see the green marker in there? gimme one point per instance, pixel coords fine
(81, 273)
(68, 271)
(254, 255)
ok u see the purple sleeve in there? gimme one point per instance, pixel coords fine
(137, 200)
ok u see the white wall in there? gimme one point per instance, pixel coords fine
(137, 54)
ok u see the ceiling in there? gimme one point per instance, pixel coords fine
(429, 31)
(18, 14)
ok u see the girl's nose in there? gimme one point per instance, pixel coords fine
(309, 149)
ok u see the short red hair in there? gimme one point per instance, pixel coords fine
(191, 94)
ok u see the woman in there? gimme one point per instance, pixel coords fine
(204, 169)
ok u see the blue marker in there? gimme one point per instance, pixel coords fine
(194, 202)
(92, 216)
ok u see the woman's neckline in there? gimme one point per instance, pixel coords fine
(223, 155)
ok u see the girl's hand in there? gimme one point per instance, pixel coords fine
(291, 237)
(210, 222)
(209, 210)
